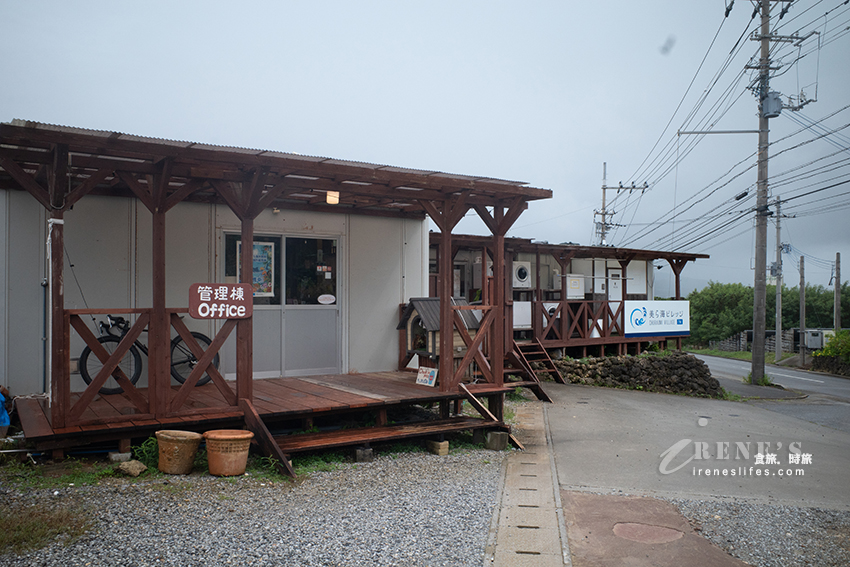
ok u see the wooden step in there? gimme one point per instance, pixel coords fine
(346, 437)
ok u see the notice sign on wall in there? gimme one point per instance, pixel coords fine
(221, 301)
(659, 318)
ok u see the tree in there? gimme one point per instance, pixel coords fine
(719, 311)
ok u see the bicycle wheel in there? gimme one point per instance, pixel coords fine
(90, 365)
(183, 361)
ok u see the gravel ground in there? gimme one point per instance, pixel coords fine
(413, 509)
(772, 535)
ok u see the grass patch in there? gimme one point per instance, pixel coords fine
(147, 453)
(765, 380)
(33, 527)
(739, 355)
(402, 447)
(71, 472)
(516, 395)
(319, 462)
(745, 355)
(730, 397)
(264, 468)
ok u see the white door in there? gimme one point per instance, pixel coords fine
(615, 284)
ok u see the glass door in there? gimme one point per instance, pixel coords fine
(311, 307)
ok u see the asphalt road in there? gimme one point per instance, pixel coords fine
(827, 398)
(621, 441)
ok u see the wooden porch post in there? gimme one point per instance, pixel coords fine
(624, 265)
(446, 363)
(499, 223)
(677, 266)
(159, 335)
(446, 215)
(59, 363)
(497, 360)
(245, 327)
(536, 319)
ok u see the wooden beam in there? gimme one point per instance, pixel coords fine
(458, 208)
(85, 187)
(178, 196)
(436, 215)
(251, 201)
(264, 438)
(225, 190)
(26, 181)
(515, 209)
(487, 218)
(141, 191)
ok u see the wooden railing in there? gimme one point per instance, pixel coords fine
(577, 320)
(140, 406)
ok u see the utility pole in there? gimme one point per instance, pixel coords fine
(837, 307)
(760, 283)
(770, 106)
(605, 225)
(802, 311)
(778, 335)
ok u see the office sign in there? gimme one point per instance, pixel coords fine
(221, 301)
(657, 318)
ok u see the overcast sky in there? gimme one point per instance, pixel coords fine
(542, 92)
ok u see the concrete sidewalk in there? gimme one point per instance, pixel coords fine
(537, 524)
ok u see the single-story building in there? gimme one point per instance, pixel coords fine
(566, 296)
(97, 226)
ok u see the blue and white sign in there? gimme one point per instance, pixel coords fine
(657, 318)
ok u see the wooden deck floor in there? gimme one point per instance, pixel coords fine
(110, 417)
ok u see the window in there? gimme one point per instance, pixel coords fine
(311, 271)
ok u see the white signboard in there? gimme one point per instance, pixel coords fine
(657, 318)
(427, 376)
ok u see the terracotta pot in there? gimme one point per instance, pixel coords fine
(177, 450)
(227, 451)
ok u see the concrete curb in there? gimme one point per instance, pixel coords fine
(528, 527)
(556, 487)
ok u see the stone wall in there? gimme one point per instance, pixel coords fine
(735, 343)
(738, 342)
(675, 373)
(787, 342)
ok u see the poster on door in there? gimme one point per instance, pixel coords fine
(262, 262)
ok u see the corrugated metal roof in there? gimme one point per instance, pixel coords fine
(184, 144)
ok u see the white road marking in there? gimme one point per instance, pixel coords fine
(795, 377)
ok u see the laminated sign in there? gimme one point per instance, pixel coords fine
(221, 301)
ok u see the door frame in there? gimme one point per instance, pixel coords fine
(341, 292)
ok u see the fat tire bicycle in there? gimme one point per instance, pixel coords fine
(182, 359)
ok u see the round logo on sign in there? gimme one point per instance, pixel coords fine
(327, 299)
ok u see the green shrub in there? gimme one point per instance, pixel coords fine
(838, 345)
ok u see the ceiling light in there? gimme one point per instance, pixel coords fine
(332, 197)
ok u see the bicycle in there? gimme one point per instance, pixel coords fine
(182, 359)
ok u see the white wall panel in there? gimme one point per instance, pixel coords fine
(24, 245)
(378, 256)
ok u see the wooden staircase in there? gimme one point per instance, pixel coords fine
(529, 361)
(281, 447)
